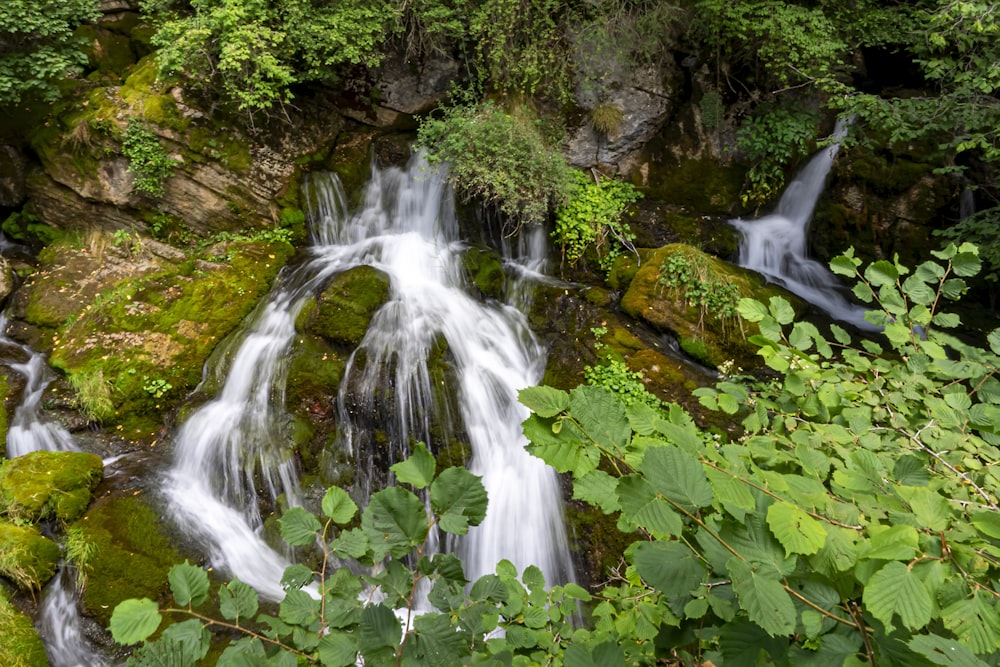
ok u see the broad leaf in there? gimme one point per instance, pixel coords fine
(641, 507)
(298, 608)
(895, 589)
(601, 415)
(296, 575)
(677, 475)
(752, 310)
(975, 622)
(395, 521)
(945, 652)
(435, 642)
(798, 532)
(781, 310)
(246, 652)
(418, 469)
(544, 401)
(338, 506)
(670, 567)
(189, 584)
(237, 600)
(298, 527)
(338, 649)
(459, 499)
(598, 489)
(134, 621)
(894, 543)
(379, 628)
(759, 590)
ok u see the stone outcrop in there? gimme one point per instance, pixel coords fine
(13, 167)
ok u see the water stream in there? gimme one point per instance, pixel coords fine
(59, 623)
(406, 228)
(776, 244)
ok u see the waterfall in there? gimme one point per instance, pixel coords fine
(776, 244)
(58, 622)
(406, 227)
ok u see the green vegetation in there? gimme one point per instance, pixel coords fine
(48, 485)
(39, 48)
(148, 160)
(592, 217)
(852, 520)
(772, 140)
(499, 157)
(699, 287)
(20, 645)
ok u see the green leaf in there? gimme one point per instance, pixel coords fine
(752, 310)
(489, 587)
(238, 600)
(564, 450)
(338, 649)
(418, 469)
(641, 507)
(379, 628)
(894, 543)
(544, 401)
(881, 273)
(845, 265)
(670, 567)
(435, 642)
(895, 589)
(840, 335)
(395, 521)
(994, 340)
(350, 544)
(187, 641)
(299, 528)
(134, 621)
(338, 506)
(246, 652)
(781, 310)
(975, 622)
(296, 575)
(945, 652)
(677, 475)
(930, 507)
(606, 654)
(798, 532)
(459, 499)
(966, 264)
(597, 488)
(298, 608)
(189, 584)
(602, 416)
(759, 590)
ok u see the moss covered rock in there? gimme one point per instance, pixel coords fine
(135, 321)
(694, 295)
(49, 485)
(20, 645)
(484, 269)
(27, 558)
(345, 308)
(131, 556)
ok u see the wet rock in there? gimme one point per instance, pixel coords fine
(49, 485)
(13, 167)
(345, 308)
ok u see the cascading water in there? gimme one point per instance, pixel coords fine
(775, 245)
(407, 229)
(59, 622)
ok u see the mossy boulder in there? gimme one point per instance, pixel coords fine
(49, 485)
(135, 322)
(20, 645)
(694, 295)
(27, 557)
(131, 557)
(345, 308)
(484, 269)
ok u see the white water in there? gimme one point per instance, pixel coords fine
(775, 245)
(58, 623)
(407, 229)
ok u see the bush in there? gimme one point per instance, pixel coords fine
(593, 217)
(148, 160)
(500, 158)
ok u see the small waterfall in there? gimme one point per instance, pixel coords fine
(776, 244)
(406, 228)
(58, 622)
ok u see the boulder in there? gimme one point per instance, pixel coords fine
(13, 167)
(49, 485)
(345, 308)
(27, 558)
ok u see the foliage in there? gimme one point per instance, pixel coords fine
(696, 284)
(981, 229)
(93, 395)
(499, 157)
(856, 515)
(332, 616)
(38, 48)
(148, 160)
(592, 216)
(606, 119)
(614, 375)
(250, 53)
(772, 139)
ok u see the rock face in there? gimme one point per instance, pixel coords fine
(13, 166)
(644, 97)
(223, 178)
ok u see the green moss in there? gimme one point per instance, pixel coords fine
(4, 394)
(145, 332)
(218, 143)
(886, 173)
(27, 557)
(108, 52)
(484, 269)
(132, 555)
(347, 305)
(702, 185)
(315, 372)
(20, 645)
(44, 485)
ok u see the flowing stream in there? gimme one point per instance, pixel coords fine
(776, 244)
(59, 623)
(406, 228)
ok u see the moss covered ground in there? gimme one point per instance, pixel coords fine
(20, 645)
(49, 485)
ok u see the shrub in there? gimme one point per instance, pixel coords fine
(148, 160)
(592, 216)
